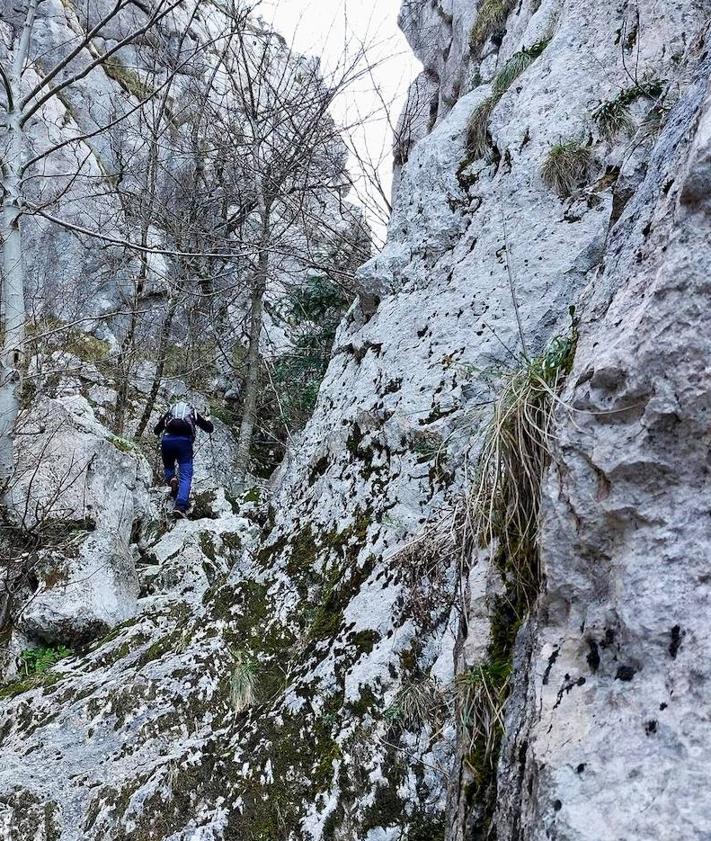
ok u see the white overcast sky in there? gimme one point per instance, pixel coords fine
(322, 28)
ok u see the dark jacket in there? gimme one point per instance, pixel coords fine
(204, 424)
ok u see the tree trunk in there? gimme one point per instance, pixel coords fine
(13, 293)
(251, 386)
(125, 360)
(160, 366)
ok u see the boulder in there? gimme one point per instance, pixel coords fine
(77, 495)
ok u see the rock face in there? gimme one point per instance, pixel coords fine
(299, 670)
(72, 477)
(610, 728)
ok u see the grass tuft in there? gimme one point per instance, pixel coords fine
(504, 503)
(243, 682)
(566, 167)
(613, 117)
(502, 514)
(418, 703)
(516, 65)
(478, 128)
(482, 695)
(490, 21)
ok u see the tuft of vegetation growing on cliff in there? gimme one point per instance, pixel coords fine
(504, 503)
(516, 65)
(566, 167)
(613, 116)
(36, 669)
(490, 22)
(478, 127)
(502, 517)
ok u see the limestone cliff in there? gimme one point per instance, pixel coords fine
(312, 667)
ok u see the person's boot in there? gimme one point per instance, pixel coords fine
(180, 513)
(173, 485)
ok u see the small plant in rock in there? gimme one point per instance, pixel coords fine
(566, 167)
(504, 503)
(36, 661)
(516, 65)
(490, 21)
(123, 444)
(129, 80)
(613, 117)
(478, 128)
(35, 669)
(653, 121)
(482, 693)
(243, 682)
(428, 445)
(419, 702)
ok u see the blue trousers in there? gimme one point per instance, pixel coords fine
(178, 448)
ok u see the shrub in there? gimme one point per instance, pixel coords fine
(566, 166)
(490, 21)
(313, 312)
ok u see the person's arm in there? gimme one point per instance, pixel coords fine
(204, 423)
(160, 426)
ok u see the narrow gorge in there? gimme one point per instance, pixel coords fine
(462, 592)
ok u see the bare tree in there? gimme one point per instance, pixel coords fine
(19, 106)
(285, 149)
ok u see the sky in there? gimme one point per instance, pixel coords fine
(371, 105)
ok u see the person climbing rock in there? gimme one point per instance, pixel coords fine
(178, 427)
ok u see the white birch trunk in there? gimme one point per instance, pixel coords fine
(13, 287)
(13, 293)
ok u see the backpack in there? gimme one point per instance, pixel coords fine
(180, 420)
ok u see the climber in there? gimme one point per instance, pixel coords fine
(178, 427)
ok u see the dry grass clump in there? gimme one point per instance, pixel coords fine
(566, 166)
(503, 506)
(482, 695)
(243, 682)
(420, 702)
(502, 514)
(478, 128)
(490, 21)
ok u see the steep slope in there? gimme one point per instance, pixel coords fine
(310, 691)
